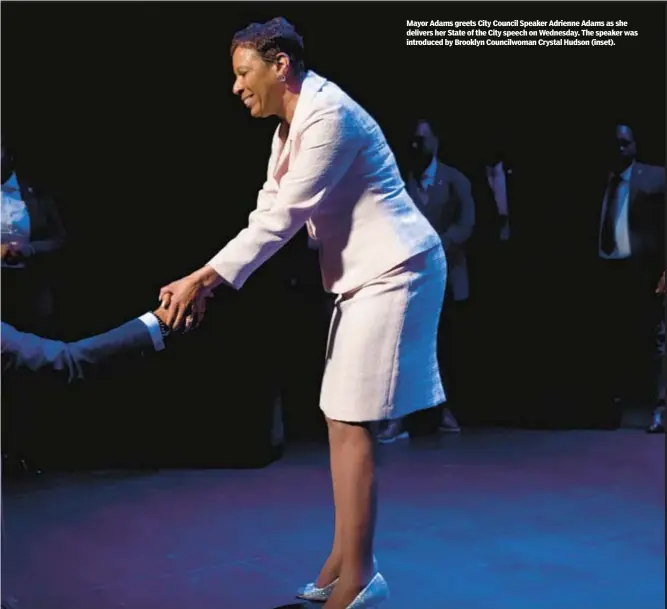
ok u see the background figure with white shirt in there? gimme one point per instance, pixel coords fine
(32, 233)
(444, 196)
(631, 252)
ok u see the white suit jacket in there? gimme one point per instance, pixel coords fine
(336, 174)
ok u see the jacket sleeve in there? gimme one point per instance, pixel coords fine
(328, 146)
(72, 361)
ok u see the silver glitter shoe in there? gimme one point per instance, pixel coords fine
(373, 595)
(310, 592)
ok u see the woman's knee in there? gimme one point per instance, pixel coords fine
(343, 431)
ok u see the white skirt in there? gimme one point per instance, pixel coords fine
(382, 360)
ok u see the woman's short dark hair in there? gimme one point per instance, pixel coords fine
(271, 38)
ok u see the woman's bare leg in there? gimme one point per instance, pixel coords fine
(331, 569)
(352, 448)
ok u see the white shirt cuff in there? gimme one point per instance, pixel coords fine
(154, 329)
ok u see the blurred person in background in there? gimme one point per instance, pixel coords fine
(444, 196)
(31, 236)
(630, 244)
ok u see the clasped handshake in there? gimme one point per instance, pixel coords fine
(183, 302)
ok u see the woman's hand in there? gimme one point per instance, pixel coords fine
(185, 299)
(185, 302)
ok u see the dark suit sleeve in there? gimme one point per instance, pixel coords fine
(460, 231)
(71, 361)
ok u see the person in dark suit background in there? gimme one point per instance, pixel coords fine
(444, 196)
(32, 236)
(630, 247)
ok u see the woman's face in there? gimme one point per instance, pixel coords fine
(256, 83)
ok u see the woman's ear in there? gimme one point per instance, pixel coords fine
(283, 65)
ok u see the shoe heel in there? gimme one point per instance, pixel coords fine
(310, 592)
(373, 595)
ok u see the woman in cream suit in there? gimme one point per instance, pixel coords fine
(332, 170)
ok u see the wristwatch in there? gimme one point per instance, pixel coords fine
(164, 328)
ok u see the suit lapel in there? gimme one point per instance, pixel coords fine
(635, 180)
(637, 213)
(275, 151)
(35, 211)
(279, 155)
(433, 202)
(281, 164)
(439, 184)
(439, 199)
(312, 83)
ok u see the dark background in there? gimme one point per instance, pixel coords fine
(124, 112)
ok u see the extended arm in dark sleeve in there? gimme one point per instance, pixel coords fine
(72, 361)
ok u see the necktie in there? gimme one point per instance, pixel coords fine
(608, 236)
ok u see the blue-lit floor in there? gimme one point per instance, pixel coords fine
(489, 520)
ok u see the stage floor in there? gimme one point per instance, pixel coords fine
(490, 519)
